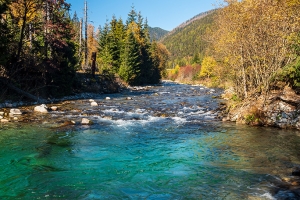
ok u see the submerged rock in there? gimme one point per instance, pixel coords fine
(42, 108)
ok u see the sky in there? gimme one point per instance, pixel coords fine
(165, 14)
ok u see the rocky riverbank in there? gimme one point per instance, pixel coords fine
(279, 109)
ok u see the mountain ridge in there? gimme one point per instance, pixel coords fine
(189, 21)
(156, 33)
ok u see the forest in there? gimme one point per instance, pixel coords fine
(250, 45)
(43, 49)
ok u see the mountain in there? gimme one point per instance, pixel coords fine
(187, 40)
(157, 33)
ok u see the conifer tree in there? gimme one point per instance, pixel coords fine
(105, 49)
(130, 61)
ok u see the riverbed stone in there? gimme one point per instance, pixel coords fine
(85, 121)
(1, 113)
(15, 111)
(108, 98)
(4, 120)
(94, 103)
(53, 108)
(42, 108)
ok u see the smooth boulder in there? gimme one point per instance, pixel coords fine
(15, 112)
(42, 108)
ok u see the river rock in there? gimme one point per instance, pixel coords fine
(128, 98)
(86, 121)
(15, 112)
(54, 108)
(108, 98)
(4, 120)
(42, 108)
(94, 103)
(1, 113)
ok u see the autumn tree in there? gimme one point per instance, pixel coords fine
(252, 41)
(160, 56)
(40, 54)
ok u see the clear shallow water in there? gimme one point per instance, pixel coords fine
(137, 150)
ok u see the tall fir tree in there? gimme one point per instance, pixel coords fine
(130, 69)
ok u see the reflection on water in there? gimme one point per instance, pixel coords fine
(137, 154)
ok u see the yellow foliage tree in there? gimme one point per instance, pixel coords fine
(208, 67)
(253, 39)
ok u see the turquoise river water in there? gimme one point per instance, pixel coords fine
(165, 143)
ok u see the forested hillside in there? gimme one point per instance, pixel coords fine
(187, 43)
(157, 33)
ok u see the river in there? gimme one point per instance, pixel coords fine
(158, 142)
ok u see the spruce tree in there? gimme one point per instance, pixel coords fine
(130, 69)
(105, 49)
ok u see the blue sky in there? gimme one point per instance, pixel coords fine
(166, 14)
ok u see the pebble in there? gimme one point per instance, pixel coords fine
(108, 98)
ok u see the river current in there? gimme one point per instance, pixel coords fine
(158, 142)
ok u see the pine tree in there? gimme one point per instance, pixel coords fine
(130, 70)
(116, 39)
(132, 16)
(105, 49)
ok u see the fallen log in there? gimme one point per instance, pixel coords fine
(20, 91)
